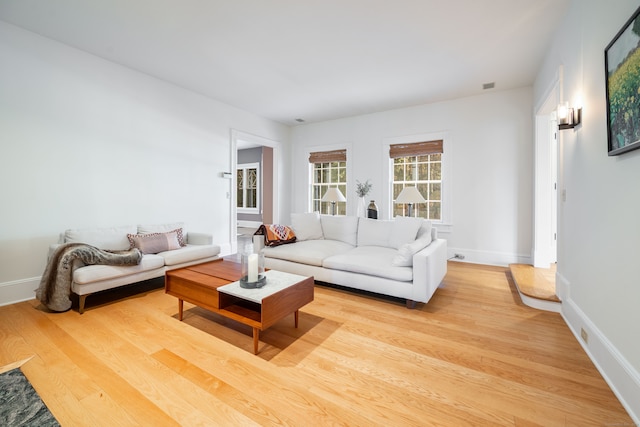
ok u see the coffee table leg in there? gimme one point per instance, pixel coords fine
(256, 337)
(180, 307)
(296, 316)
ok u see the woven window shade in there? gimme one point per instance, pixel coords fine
(415, 149)
(328, 156)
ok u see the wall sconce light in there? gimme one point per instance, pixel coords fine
(333, 195)
(568, 118)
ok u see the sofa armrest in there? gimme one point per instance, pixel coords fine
(429, 269)
(199, 238)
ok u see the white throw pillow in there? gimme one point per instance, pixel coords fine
(306, 226)
(341, 228)
(404, 230)
(159, 228)
(374, 232)
(425, 228)
(111, 238)
(408, 250)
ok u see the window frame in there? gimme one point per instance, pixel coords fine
(427, 181)
(445, 223)
(348, 185)
(326, 185)
(244, 167)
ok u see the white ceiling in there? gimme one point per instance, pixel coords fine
(310, 59)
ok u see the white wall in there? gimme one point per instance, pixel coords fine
(491, 147)
(598, 234)
(85, 142)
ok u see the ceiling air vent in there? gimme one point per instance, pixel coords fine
(489, 85)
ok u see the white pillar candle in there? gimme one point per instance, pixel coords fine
(252, 268)
(257, 243)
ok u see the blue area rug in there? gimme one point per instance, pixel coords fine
(20, 404)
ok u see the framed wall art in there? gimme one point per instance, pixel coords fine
(622, 70)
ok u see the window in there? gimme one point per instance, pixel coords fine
(248, 187)
(328, 169)
(418, 165)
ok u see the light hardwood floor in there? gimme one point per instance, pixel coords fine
(474, 355)
(539, 283)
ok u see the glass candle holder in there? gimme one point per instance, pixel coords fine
(252, 269)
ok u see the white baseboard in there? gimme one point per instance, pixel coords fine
(621, 376)
(562, 287)
(501, 259)
(18, 290)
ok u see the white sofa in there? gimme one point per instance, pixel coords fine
(403, 258)
(88, 279)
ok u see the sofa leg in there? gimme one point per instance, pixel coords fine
(81, 303)
(411, 304)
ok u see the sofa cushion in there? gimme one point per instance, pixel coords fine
(95, 273)
(342, 228)
(370, 260)
(306, 226)
(153, 243)
(163, 228)
(110, 238)
(404, 230)
(404, 258)
(311, 252)
(374, 232)
(189, 253)
(198, 238)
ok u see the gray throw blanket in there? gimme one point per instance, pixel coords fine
(55, 286)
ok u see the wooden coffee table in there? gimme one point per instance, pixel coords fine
(214, 286)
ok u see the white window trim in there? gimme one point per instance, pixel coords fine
(350, 182)
(245, 166)
(445, 224)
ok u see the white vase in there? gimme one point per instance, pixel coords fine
(362, 207)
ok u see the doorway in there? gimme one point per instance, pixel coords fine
(546, 180)
(252, 149)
